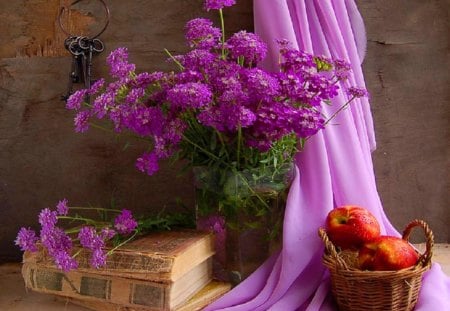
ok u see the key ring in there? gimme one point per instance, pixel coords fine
(68, 41)
(75, 48)
(85, 43)
(97, 45)
(75, 2)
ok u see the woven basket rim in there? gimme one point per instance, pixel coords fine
(332, 257)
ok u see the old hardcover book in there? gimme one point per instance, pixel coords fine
(160, 256)
(115, 290)
(211, 292)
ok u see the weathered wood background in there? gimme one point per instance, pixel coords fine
(407, 72)
(42, 160)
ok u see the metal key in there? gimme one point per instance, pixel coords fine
(82, 50)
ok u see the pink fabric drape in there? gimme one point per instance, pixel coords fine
(334, 169)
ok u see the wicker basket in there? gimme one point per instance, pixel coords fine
(357, 290)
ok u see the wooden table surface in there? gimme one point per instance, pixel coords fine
(14, 296)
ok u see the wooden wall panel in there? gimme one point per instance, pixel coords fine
(407, 72)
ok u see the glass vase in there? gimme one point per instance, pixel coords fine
(245, 211)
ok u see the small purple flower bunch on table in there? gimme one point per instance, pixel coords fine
(89, 234)
(219, 109)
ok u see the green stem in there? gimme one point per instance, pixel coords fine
(174, 59)
(239, 141)
(95, 125)
(222, 24)
(73, 230)
(241, 60)
(339, 110)
(228, 165)
(204, 150)
(99, 127)
(95, 209)
(77, 253)
(302, 142)
(222, 142)
(86, 220)
(333, 115)
(251, 190)
(123, 243)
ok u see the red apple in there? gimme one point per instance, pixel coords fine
(350, 226)
(387, 253)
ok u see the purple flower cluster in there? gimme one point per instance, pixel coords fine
(148, 163)
(357, 92)
(91, 240)
(81, 121)
(62, 208)
(201, 34)
(190, 95)
(218, 100)
(218, 4)
(27, 239)
(59, 244)
(125, 223)
(75, 100)
(55, 240)
(342, 69)
(247, 46)
(118, 64)
(216, 224)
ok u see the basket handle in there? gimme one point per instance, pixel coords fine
(425, 258)
(330, 249)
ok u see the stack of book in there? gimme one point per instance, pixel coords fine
(169, 270)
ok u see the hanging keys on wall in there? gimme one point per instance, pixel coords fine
(82, 49)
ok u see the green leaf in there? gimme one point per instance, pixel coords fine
(261, 212)
(233, 225)
(126, 146)
(213, 142)
(253, 225)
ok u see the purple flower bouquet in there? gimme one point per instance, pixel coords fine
(238, 126)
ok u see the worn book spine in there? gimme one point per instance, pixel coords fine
(141, 265)
(208, 294)
(119, 291)
(154, 257)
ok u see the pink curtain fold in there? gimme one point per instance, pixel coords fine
(335, 168)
